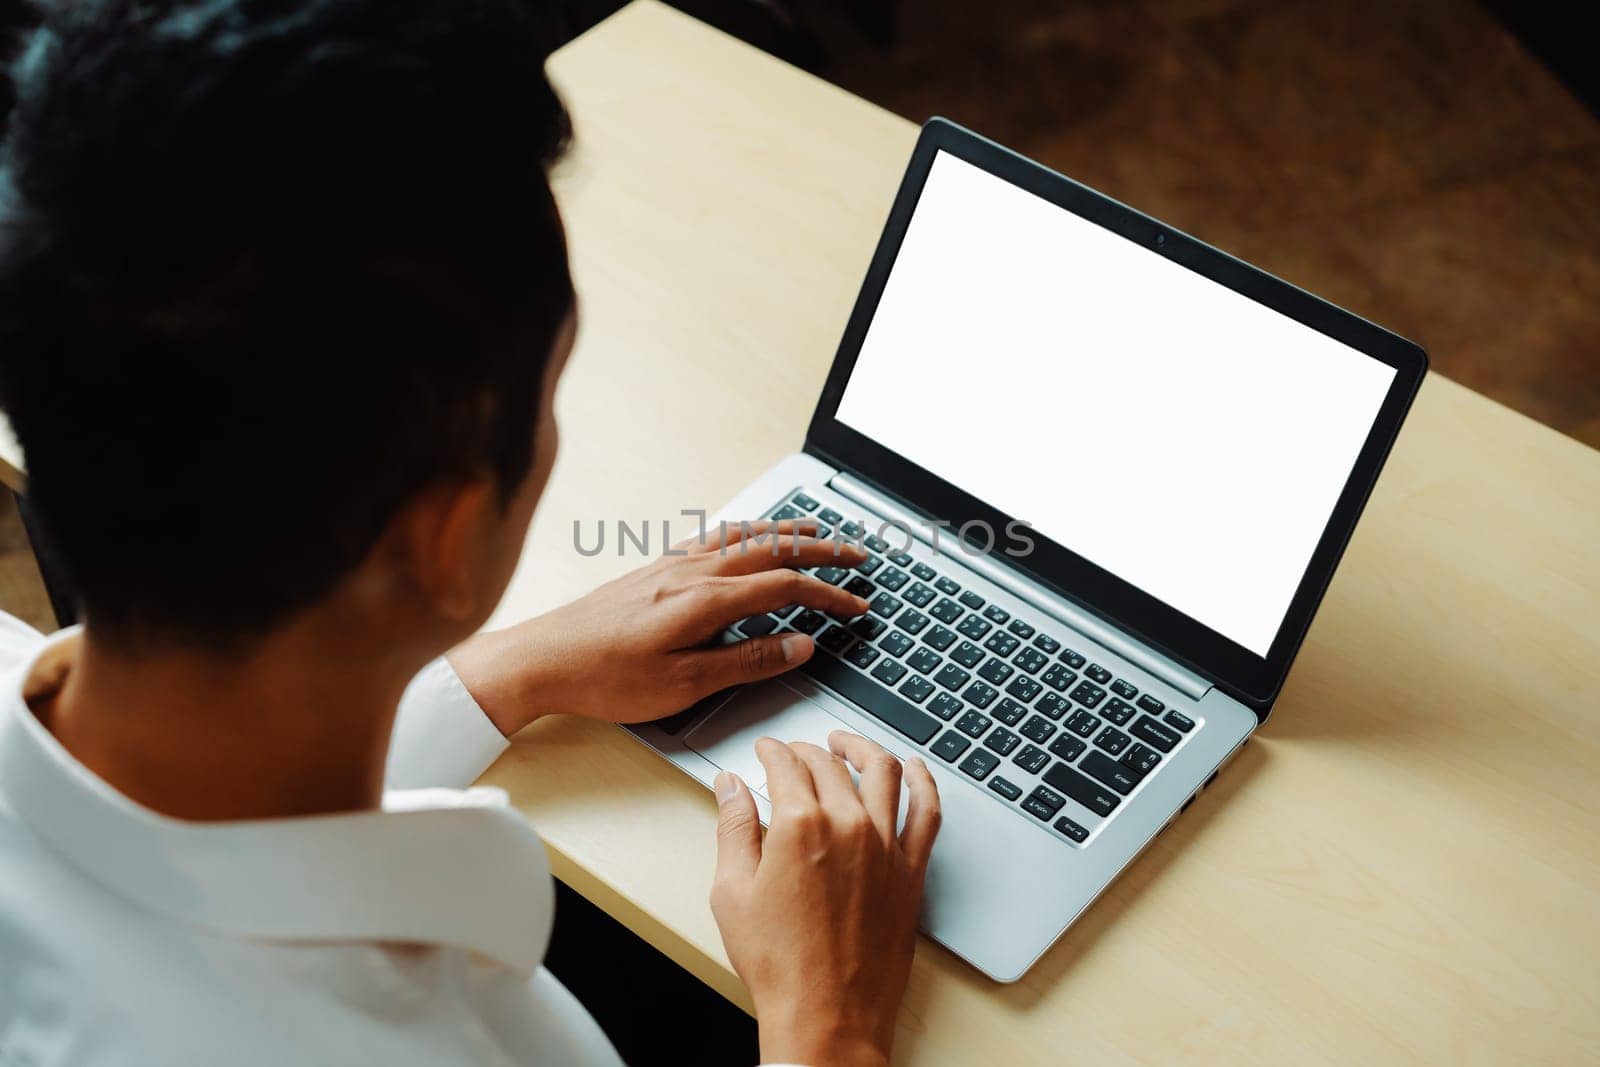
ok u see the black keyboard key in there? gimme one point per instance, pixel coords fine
(876, 543)
(1009, 712)
(1072, 829)
(867, 627)
(967, 654)
(973, 724)
(1179, 721)
(922, 572)
(900, 559)
(996, 671)
(896, 643)
(1151, 704)
(948, 587)
(971, 600)
(1030, 660)
(1082, 723)
(1118, 711)
(1086, 791)
(831, 516)
(979, 764)
(870, 564)
(1021, 629)
(945, 706)
(1031, 759)
(950, 746)
(862, 656)
(1158, 736)
(1073, 659)
(974, 626)
(860, 587)
(997, 614)
(1112, 740)
(952, 677)
(831, 575)
(1001, 643)
(1141, 759)
(885, 605)
(1088, 694)
(1038, 728)
(878, 702)
(1043, 803)
(1059, 678)
(853, 529)
(1098, 674)
(1103, 767)
(757, 625)
(786, 512)
(939, 638)
(946, 610)
(916, 689)
(834, 639)
(824, 531)
(1053, 704)
(888, 672)
(803, 502)
(808, 621)
(1047, 644)
(1067, 747)
(892, 578)
(980, 694)
(911, 621)
(1125, 690)
(1004, 788)
(924, 661)
(1024, 688)
(919, 595)
(1002, 741)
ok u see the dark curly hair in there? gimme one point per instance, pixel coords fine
(267, 269)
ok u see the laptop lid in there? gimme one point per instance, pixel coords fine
(1189, 439)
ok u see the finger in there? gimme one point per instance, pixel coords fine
(724, 534)
(715, 669)
(738, 830)
(922, 812)
(836, 790)
(733, 598)
(880, 777)
(789, 784)
(783, 550)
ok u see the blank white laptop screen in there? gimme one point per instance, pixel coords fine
(1183, 437)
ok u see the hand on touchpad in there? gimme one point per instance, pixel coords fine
(728, 737)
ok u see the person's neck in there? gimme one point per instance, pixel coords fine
(297, 725)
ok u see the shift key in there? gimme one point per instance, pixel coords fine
(1085, 791)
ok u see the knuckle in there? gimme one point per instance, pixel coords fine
(754, 656)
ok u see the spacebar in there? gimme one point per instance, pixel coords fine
(871, 697)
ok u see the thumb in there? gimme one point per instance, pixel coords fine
(738, 830)
(752, 660)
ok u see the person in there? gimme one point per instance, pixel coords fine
(284, 303)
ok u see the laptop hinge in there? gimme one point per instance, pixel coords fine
(1066, 613)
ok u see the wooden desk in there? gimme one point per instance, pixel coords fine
(1402, 868)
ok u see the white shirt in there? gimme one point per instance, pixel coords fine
(411, 935)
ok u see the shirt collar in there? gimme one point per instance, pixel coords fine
(435, 866)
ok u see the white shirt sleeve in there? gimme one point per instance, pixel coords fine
(441, 736)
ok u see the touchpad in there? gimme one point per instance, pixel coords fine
(728, 736)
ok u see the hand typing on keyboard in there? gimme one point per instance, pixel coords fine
(820, 919)
(636, 649)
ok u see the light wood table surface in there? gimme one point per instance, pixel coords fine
(1403, 868)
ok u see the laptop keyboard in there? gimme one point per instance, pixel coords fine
(1014, 707)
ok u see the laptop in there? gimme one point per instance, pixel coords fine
(1104, 473)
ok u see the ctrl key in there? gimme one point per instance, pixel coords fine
(1043, 803)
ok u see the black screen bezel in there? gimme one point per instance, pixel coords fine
(1248, 677)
